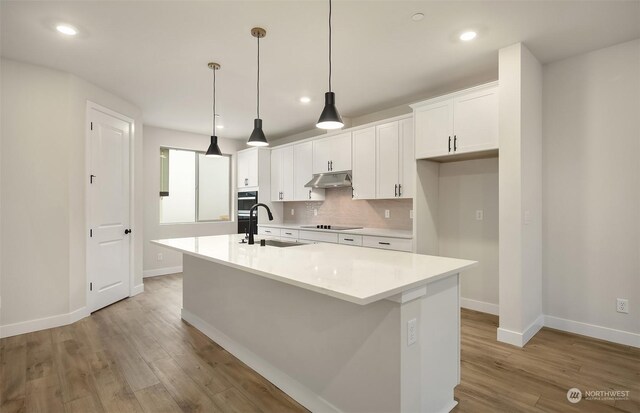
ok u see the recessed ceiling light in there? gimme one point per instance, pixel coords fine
(67, 29)
(466, 36)
(305, 99)
(417, 17)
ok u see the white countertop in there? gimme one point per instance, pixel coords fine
(376, 232)
(355, 274)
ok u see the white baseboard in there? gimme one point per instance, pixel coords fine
(137, 290)
(591, 330)
(481, 306)
(161, 271)
(286, 383)
(520, 339)
(43, 323)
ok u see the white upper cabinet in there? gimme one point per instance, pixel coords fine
(407, 159)
(282, 174)
(332, 154)
(303, 172)
(475, 121)
(434, 128)
(463, 122)
(364, 163)
(247, 168)
(395, 171)
(388, 159)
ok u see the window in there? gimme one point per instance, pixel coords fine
(193, 187)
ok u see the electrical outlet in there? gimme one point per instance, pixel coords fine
(160, 257)
(315, 212)
(527, 217)
(386, 213)
(479, 215)
(411, 214)
(412, 331)
(293, 211)
(622, 305)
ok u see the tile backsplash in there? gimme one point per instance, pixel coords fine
(339, 209)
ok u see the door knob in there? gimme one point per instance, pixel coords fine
(127, 231)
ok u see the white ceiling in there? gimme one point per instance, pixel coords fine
(155, 54)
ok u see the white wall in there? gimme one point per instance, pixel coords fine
(154, 139)
(591, 177)
(463, 188)
(520, 220)
(43, 190)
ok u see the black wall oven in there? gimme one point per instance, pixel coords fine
(245, 201)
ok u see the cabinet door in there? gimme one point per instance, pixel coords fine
(303, 172)
(242, 168)
(364, 164)
(321, 155)
(388, 160)
(252, 167)
(276, 174)
(434, 127)
(340, 152)
(407, 159)
(475, 121)
(286, 172)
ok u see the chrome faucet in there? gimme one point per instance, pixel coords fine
(253, 222)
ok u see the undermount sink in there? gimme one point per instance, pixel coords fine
(281, 244)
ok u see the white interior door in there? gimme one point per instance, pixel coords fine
(108, 251)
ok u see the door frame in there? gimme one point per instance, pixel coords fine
(90, 302)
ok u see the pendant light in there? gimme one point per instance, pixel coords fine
(330, 118)
(257, 137)
(214, 149)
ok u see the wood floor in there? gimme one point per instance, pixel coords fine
(138, 356)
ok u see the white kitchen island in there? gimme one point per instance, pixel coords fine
(329, 324)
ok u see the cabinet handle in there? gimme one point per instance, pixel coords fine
(455, 143)
(396, 190)
(267, 231)
(449, 143)
(384, 243)
(349, 239)
(328, 168)
(399, 189)
(309, 193)
(288, 233)
(246, 181)
(331, 162)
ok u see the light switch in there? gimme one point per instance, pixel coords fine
(411, 214)
(479, 215)
(386, 213)
(315, 212)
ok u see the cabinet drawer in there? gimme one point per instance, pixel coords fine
(319, 236)
(289, 233)
(397, 244)
(350, 239)
(269, 231)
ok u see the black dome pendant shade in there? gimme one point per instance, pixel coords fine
(214, 149)
(330, 118)
(257, 137)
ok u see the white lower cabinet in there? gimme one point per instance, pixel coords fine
(274, 232)
(387, 243)
(331, 237)
(350, 239)
(312, 237)
(289, 233)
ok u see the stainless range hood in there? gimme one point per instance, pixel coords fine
(330, 180)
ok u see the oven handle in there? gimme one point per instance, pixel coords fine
(246, 198)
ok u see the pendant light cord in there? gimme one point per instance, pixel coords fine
(214, 101)
(329, 45)
(258, 81)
